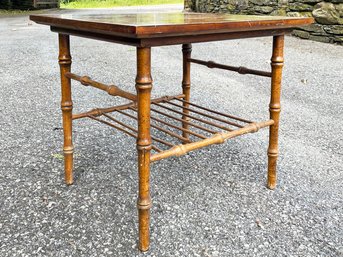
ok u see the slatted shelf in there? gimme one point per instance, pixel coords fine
(177, 126)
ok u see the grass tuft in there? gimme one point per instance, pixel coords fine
(12, 12)
(114, 3)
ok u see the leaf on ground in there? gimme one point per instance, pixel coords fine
(58, 156)
(304, 81)
(259, 224)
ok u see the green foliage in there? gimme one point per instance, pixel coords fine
(67, 1)
(112, 3)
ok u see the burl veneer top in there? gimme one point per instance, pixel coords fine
(144, 25)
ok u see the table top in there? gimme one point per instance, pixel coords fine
(145, 25)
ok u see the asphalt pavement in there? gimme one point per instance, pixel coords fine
(212, 202)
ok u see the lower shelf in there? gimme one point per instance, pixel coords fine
(177, 126)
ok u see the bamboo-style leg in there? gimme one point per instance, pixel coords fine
(274, 108)
(66, 106)
(186, 84)
(143, 86)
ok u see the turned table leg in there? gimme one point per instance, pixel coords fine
(186, 84)
(143, 86)
(274, 108)
(66, 106)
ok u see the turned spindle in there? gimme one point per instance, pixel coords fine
(186, 85)
(143, 87)
(275, 108)
(66, 106)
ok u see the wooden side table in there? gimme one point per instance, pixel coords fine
(198, 126)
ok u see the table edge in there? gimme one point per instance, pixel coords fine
(131, 31)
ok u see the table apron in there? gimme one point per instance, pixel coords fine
(170, 40)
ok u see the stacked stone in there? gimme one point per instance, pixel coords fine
(28, 4)
(188, 5)
(328, 15)
(16, 4)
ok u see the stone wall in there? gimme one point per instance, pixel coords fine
(28, 4)
(328, 15)
(16, 4)
(188, 5)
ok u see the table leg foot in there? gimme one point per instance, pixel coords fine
(66, 106)
(68, 167)
(272, 159)
(275, 108)
(144, 230)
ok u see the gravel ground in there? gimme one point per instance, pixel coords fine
(212, 202)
